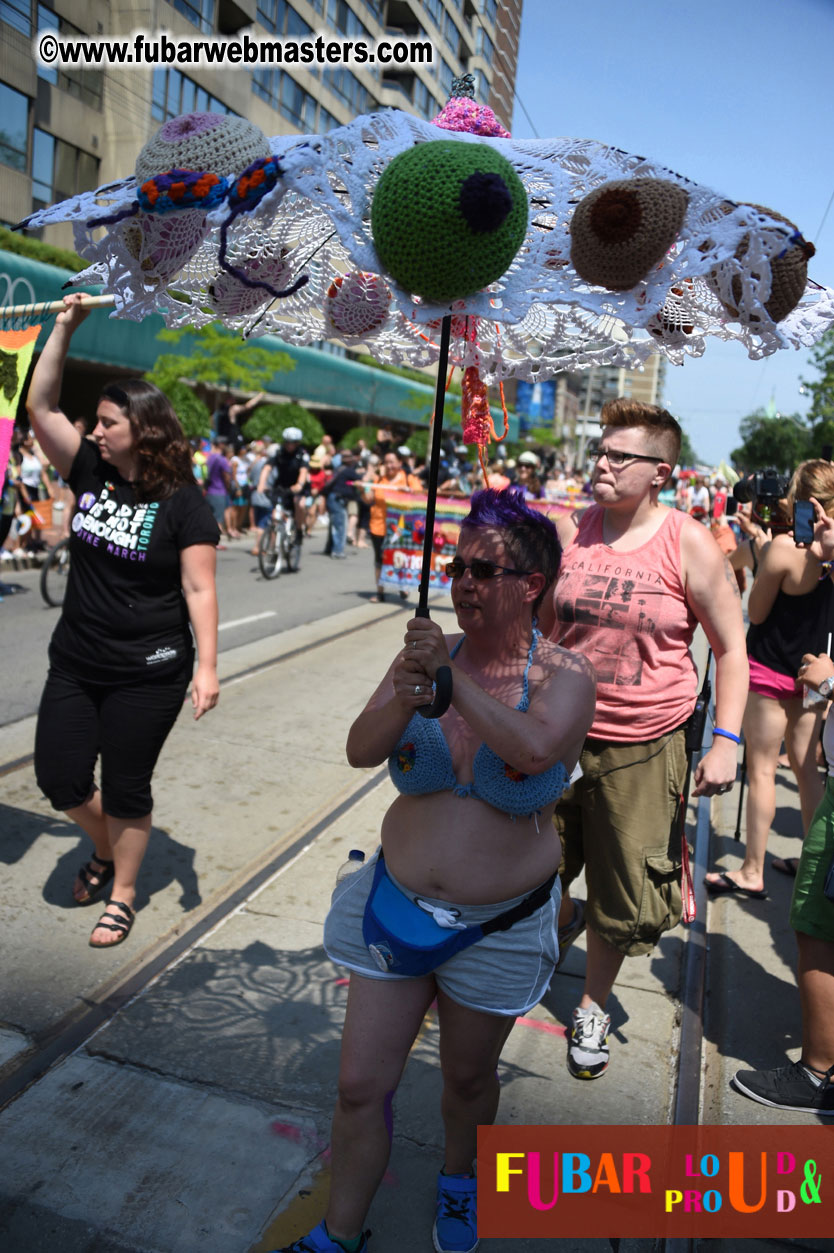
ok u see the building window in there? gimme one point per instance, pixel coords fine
(200, 13)
(491, 10)
(86, 85)
(446, 74)
(424, 101)
(296, 26)
(18, 14)
(348, 87)
(14, 122)
(451, 33)
(43, 167)
(47, 20)
(174, 94)
(273, 15)
(483, 44)
(59, 170)
(297, 105)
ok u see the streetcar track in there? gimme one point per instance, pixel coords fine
(19, 763)
(70, 1032)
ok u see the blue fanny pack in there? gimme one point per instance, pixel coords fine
(407, 938)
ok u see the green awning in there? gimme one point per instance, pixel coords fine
(319, 378)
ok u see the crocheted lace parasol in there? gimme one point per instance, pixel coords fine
(601, 257)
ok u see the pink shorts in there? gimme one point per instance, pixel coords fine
(767, 682)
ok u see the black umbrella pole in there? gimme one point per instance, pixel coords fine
(443, 679)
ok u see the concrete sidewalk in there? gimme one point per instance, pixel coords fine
(198, 1119)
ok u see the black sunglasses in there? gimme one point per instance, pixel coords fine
(481, 569)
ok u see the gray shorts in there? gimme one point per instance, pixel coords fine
(505, 973)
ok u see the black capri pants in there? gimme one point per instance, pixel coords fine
(124, 724)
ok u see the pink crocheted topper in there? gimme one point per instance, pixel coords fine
(188, 124)
(462, 114)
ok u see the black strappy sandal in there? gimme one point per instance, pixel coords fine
(94, 881)
(115, 923)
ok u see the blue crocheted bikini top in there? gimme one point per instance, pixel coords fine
(422, 763)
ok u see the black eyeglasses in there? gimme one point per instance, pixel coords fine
(481, 569)
(616, 458)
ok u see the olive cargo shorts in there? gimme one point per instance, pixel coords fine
(619, 822)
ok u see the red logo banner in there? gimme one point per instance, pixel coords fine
(546, 1182)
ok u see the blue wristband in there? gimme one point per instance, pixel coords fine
(728, 735)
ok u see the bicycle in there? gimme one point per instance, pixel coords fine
(54, 574)
(279, 547)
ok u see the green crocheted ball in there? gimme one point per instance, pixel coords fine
(448, 218)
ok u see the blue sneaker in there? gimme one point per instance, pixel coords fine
(456, 1225)
(318, 1241)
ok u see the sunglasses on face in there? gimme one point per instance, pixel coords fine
(615, 458)
(481, 569)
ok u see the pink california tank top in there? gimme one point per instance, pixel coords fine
(627, 613)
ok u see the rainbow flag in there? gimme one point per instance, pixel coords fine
(402, 554)
(16, 348)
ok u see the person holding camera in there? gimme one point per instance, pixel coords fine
(791, 610)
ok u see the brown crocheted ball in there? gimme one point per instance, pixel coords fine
(218, 143)
(788, 275)
(620, 231)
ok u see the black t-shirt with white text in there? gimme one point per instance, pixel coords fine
(124, 614)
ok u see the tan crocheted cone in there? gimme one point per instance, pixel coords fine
(788, 275)
(213, 142)
(620, 231)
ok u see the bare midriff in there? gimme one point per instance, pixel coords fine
(461, 849)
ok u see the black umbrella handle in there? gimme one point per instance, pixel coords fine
(443, 678)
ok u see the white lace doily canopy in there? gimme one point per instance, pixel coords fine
(614, 257)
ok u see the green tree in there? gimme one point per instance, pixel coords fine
(218, 358)
(688, 455)
(781, 442)
(194, 416)
(268, 421)
(822, 389)
(352, 437)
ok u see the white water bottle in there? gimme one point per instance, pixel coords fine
(354, 862)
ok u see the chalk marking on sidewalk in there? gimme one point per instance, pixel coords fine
(255, 617)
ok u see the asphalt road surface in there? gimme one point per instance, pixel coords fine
(250, 609)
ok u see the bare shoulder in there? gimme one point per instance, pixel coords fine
(562, 663)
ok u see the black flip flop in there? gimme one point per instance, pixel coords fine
(786, 865)
(728, 887)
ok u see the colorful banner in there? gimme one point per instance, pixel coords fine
(695, 1182)
(16, 348)
(402, 555)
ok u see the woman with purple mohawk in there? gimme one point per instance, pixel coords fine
(460, 904)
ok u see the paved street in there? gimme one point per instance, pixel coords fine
(250, 609)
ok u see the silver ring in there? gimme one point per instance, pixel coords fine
(417, 689)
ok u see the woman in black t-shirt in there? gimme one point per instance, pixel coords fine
(142, 578)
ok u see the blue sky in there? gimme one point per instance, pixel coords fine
(735, 94)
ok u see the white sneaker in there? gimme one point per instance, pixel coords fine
(588, 1042)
